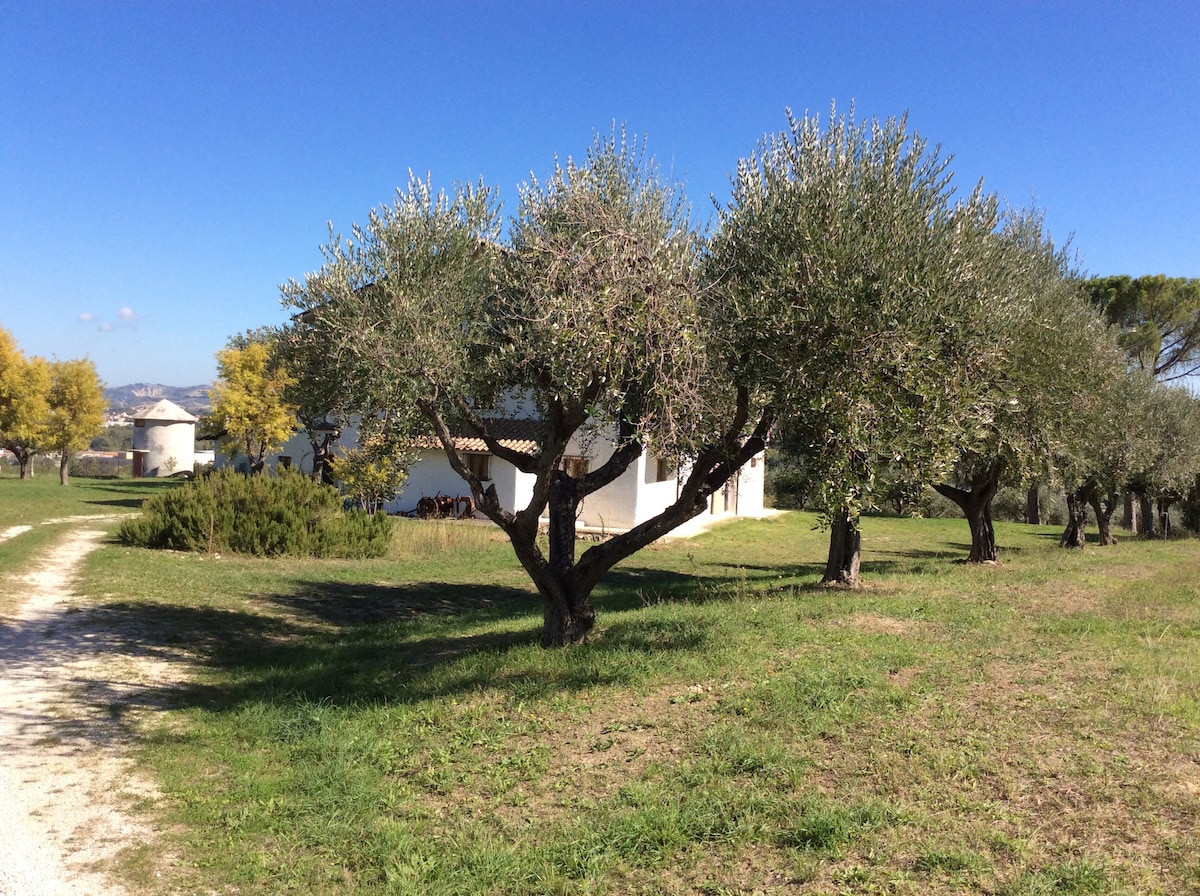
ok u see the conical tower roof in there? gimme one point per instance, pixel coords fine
(165, 410)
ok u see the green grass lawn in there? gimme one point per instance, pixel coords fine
(392, 726)
(48, 508)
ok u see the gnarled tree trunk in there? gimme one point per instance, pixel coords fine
(322, 456)
(1146, 516)
(1075, 536)
(1104, 509)
(845, 550)
(567, 613)
(1129, 518)
(1164, 515)
(565, 582)
(975, 501)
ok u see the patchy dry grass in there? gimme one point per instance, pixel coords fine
(392, 726)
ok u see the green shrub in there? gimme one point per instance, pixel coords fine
(285, 513)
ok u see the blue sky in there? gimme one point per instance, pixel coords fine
(164, 166)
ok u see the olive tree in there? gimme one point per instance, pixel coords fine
(588, 316)
(852, 271)
(1042, 336)
(1172, 462)
(1158, 319)
(314, 389)
(1113, 415)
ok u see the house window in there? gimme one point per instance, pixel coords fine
(663, 469)
(480, 466)
(575, 467)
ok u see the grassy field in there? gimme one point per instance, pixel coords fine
(392, 726)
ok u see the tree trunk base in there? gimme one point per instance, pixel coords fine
(845, 552)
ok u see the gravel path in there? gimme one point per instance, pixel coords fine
(63, 772)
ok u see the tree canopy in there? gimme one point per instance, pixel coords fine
(848, 293)
(76, 409)
(589, 315)
(852, 273)
(1043, 337)
(249, 411)
(1159, 320)
(24, 402)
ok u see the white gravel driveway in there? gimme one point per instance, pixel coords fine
(63, 772)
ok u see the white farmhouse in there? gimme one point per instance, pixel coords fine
(649, 485)
(164, 440)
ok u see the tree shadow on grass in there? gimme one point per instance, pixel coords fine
(341, 644)
(347, 604)
(321, 648)
(629, 588)
(121, 489)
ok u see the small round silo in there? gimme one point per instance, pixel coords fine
(164, 440)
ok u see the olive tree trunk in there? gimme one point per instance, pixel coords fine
(1145, 516)
(1075, 536)
(845, 550)
(1129, 518)
(565, 582)
(1164, 515)
(1103, 508)
(1033, 506)
(975, 501)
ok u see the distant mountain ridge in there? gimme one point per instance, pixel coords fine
(126, 399)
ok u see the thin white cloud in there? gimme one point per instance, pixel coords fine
(124, 317)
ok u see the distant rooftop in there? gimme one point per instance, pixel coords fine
(164, 410)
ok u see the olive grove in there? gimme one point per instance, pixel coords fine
(848, 296)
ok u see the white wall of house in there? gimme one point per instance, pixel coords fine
(299, 451)
(752, 487)
(637, 495)
(432, 475)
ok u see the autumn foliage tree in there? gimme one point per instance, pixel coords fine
(249, 410)
(24, 407)
(75, 413)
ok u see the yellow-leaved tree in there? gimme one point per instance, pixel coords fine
(76, 409)
(249, 414)
(24, 389)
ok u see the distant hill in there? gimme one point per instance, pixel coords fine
(126, 399)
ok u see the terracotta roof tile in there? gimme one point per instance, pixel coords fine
(520, 434)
